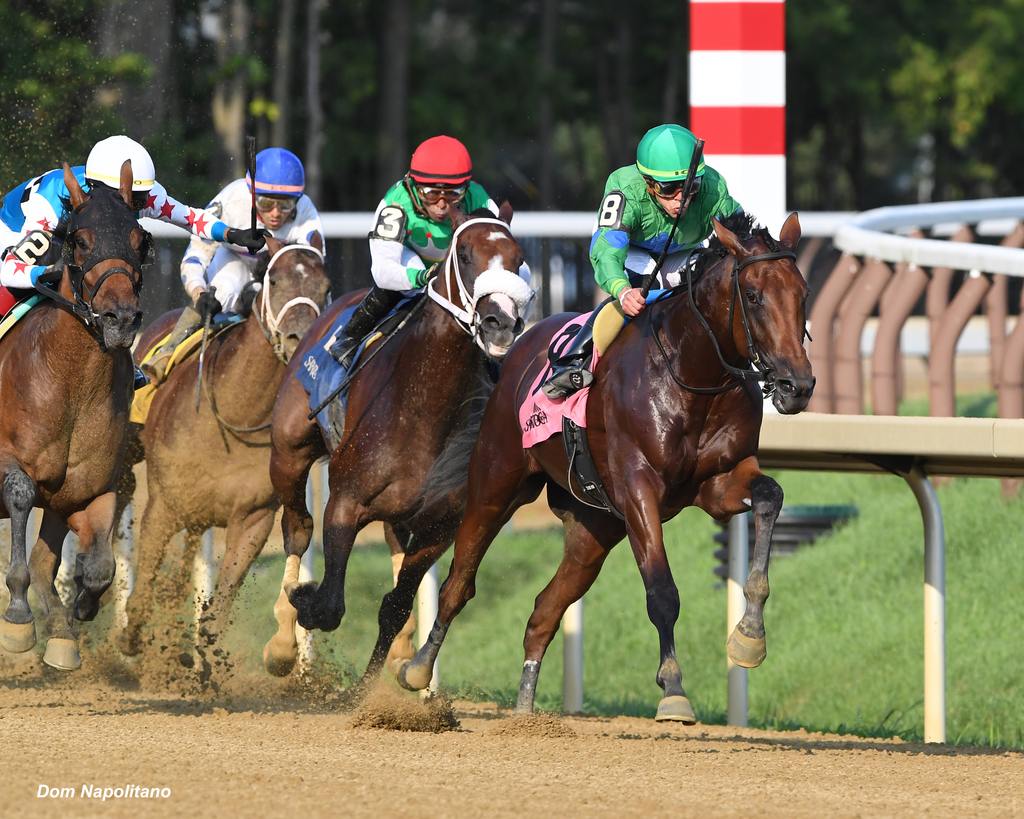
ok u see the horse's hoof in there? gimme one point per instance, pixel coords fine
(276, 662)
(17, 638)
(744, 651)
(675, 708)
(62, 653)
(414, 677)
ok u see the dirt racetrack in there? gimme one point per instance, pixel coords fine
(271, 748)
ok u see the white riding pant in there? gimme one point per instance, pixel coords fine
(229, 273)
(639, 262)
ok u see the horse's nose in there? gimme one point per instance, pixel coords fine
(795, 387)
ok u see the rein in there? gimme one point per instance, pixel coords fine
(467, 319)
(270, 324)
(269, 321)
(761, 371)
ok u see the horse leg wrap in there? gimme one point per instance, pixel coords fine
(528, 687)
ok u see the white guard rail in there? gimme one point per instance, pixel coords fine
(870, 234)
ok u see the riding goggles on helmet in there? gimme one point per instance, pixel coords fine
(432, 194)
(265, 204)
(670, 189)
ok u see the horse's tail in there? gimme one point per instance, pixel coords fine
(450, 468)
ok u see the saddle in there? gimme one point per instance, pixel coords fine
(14, 304)
(221, 323)
(326, 382)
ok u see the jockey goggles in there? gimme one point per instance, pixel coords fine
(670, 189)
(432, 194)
(285, 204)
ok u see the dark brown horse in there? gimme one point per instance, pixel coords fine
(66, 379)
(411, 420)
(207, 467)
(670, 426)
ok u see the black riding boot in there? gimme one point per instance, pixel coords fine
(375, 306)
(569, 373)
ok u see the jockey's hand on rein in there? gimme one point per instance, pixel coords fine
(207, 305)
(425, 276)
(632, 302)
(251, 240)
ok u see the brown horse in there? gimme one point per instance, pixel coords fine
(411, 419)
(207, 467)
(66, 378)
(672, 423)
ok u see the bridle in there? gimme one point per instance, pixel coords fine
(85, 295)
(761, 369)
(465, 314)
(269, 321)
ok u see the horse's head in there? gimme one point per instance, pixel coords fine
(767, 309)
(293, 292)
(104, 251)
(481, 280)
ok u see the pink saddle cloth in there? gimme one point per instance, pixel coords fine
(541, 417)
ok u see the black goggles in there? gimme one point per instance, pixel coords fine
(670, 189)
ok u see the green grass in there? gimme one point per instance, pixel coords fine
(844, 620)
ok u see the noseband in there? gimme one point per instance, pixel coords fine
(761, 369)
(506, 281)
(269, 321)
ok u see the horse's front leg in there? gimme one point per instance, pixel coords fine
(643, 525)
(17, 629)
(321, 606)
(746, 487)
(94, 566)
(61, 642)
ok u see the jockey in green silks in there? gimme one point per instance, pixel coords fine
(640, 205)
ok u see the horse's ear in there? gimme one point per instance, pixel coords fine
(273, 245)
(456, 216)
(729, 240)
(790, 234)
(74, 189)
(505, 212)
(126, 182)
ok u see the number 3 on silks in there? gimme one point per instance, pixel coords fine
(611, 210)
(390, 223)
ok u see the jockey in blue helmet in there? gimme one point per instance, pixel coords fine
(282, 210)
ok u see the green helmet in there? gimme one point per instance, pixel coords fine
(665, 152)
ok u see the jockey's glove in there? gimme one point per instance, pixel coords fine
(47, 274)
(425, 276)
(207, 305)
(251, 240)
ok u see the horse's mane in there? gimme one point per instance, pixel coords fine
(448, 473)
(744, 226)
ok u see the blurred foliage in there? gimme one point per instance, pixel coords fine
(888, 101)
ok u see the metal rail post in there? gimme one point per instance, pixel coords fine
(739, 565)
(426, 614)
(572, 656)
(934, 606)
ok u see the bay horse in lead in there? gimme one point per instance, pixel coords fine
(673, 421)
(410, 423)
(66, 377)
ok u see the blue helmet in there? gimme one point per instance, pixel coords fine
(279, 172)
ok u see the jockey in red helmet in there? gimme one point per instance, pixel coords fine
(413, 230)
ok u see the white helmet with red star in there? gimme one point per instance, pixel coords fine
(107, 156)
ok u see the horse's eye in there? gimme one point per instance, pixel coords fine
(754, 297)
(81, 244)
(273, 282)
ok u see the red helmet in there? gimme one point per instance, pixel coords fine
(441, 160)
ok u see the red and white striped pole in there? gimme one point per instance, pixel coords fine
(738, 99)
